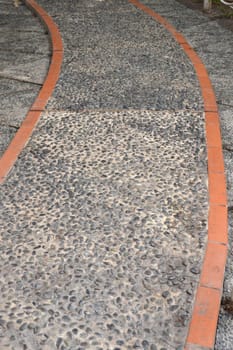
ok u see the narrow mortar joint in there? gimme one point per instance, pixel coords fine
(202, 285)
(217, 243)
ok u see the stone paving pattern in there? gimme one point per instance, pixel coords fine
(106, 246)
(214, 45)
(102, 232)
(204, 35)
(119, 63)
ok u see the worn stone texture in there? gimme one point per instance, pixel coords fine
(103, 234)
(102, 244)
(23, 67)
(214, 45)
(119, 63)
(24, 57)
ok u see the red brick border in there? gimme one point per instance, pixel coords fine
(202, 328)
(27, 127)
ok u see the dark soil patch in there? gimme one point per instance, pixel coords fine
(219, 13)
(227, 304)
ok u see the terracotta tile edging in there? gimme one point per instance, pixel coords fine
(204, 318)
(28, 125)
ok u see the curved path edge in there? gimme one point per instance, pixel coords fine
(204, 318)
(28, 125)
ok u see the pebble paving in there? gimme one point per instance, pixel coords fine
(119, 63)
(101, 247)
(214, 45)
(102, 231)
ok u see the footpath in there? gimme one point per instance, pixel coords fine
(104, 214)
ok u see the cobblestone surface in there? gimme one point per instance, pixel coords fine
(214, 45)
(102, 232)
(119, 63)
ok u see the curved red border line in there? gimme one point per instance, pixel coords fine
(203, 324)
(28, 125)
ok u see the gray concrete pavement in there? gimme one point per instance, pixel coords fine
(104, 214)
(24, 60)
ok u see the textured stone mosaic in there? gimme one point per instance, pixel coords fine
(103, 218)
(114, 59)
(102, 232)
